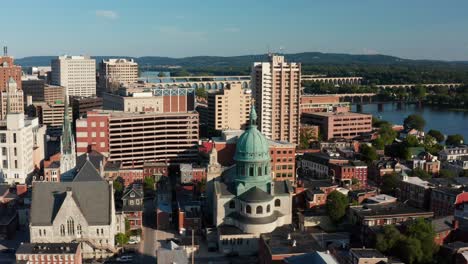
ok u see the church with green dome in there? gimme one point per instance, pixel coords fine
(246, 201)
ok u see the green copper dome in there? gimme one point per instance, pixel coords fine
(252, 145)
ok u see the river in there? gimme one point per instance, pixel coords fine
(446, 121)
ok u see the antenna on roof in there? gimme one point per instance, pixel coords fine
(5, 51)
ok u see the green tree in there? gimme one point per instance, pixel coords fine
(409, 250)
(437, 135)
(389, 183)
(387, 134)
(149, 183)
(336, 206)
(414, 121)
(422, 230)
(388, 239)
(121, 239)
(127, 225)
(368, 153)
(444, 173)
(411, 141)
(422, 174)
(161, 74)
(201, 92)
(454, 140)
(420, 92)
(306, 137)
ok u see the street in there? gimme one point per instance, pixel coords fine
(148, 243)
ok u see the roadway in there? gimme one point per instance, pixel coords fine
(148, 243)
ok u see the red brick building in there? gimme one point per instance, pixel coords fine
(9, 69)
(345, 173)
(92, 133)
(443, 200)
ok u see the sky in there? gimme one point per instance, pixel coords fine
(415, 29)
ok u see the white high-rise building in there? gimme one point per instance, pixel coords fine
(276, 87)
(114, 72)
(19, 137)
(76, 73)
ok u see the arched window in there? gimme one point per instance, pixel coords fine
(277, 203)
(78, 229)
(62, 230)
(70, 226)
(259, 171)
(268, 208)
(248, 209)
(266, 170)
(259, 209)
(40, 232)
(232, 204)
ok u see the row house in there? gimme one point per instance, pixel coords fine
(316, 165)
(453, 153)
(346, 173)
(132, 205)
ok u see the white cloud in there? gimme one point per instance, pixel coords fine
(109, 14)
(231, 29)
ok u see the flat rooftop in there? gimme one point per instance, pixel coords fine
(286, 240)
(339, 114)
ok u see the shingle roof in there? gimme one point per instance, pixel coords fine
(94, 157)
(93, 199)
(255, 194)
(87, 173)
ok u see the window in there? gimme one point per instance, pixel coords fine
(14, 137)
(70, 226)
(251, 171)
(137, 201)
(16, 164)
(40, 232)
(277, 203)
(15, 151)
(62, 230)
(131, 202)
(97, 231)
(248, 209)
(232, 204)
(2, 138)
(259, 209)
(259, 171)
(44, 232)
(4, 151)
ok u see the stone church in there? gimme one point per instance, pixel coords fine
(246, 201)
(81, 211)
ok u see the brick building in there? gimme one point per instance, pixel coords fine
(9, 69)
(322, 103)
(81, 105)
(346, 172)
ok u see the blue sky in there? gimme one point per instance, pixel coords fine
(420, 29)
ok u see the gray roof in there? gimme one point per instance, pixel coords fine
(94, 157)
(93, 199)
(255, 194)
(87, 173)
(255, 220)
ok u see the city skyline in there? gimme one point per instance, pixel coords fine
(415, 30)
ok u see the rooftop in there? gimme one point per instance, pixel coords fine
(388, 209)
(367, 253)
(48, 248)
(286, 240)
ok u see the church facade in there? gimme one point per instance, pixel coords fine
(246, 201)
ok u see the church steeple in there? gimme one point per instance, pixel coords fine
(67, 146)
(66, 130)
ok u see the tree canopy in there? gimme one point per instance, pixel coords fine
(368, 153)
(454, 140)
(336, 206)
(414, 121)
(437, 135)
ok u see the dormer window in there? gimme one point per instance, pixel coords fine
(132, 194)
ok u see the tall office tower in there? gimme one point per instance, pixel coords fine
(229, 108)
(9, 69)
(76, 73)
(11, 97)
(114, 72)
(19, 137)
(276, 87)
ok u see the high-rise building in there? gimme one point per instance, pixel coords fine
(50, 115)
(276, 87)
(135, 138)
(76, 73)
(229, 108)
(19, 137)
(114, 72)
(9, 70)
(11, 98)
(42, 92)
(81, 105)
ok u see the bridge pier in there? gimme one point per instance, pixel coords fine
(359, 108)
(380, 107)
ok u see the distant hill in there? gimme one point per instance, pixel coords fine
(309, 58)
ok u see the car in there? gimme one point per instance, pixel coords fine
(124, 258)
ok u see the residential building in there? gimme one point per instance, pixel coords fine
(229, 108)
(458, 166)
(415, 192)
(453, 153)
(81, 105)
(190, 173)
(323, 103)
(351, 173)
(8, 70)
(22, 146)
(276, 87)
(339, 124)
(461, 212)
(366, 256)
(12, 98)
(76, 73)
(316, 165)
(114, 72)
(80, 211)
(443, 199)
(132, 205)
(246, 201)
(49, 253)
(313, 193)
(136, 138)
(427, 163)
(189, 212)
(385, 166)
